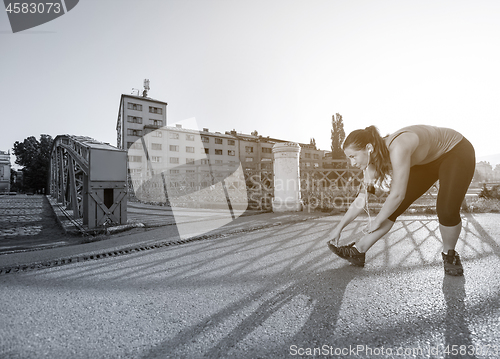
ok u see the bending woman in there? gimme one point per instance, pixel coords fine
(416, 157)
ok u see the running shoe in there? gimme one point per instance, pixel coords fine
(349, 253)
(452, 263)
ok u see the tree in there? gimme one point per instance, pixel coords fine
(338, 137)
(34, 156)
(496, 173)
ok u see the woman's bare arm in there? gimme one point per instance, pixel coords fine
(401, 150)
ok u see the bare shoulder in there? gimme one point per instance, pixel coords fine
(405, 143)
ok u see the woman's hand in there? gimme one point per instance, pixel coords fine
(335, 237)
(371, 227)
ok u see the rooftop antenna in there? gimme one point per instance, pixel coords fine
(133, 90)
(146, 88)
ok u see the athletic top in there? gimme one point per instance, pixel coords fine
(439, 140)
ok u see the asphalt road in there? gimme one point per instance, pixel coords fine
(276, 292)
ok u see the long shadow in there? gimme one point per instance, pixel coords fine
(323, 295)
(457, 333)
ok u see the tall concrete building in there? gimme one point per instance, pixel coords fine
(153, 147)
(138, 115)
(4, 172)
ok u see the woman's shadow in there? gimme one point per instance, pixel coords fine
(321, 295)
(457, 336)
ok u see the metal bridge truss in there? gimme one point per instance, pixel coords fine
(89, 179)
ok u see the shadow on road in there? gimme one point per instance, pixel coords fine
(297, 293)
(29, 223)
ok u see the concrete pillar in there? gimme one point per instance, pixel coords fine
(286, 178)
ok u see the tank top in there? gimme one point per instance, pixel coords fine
(439, 139)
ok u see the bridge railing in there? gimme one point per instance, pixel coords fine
(337, 184)
(88, 179)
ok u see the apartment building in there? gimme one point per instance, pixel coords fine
(310, 157)
(138, 115)
(154, 147)
(256, 152)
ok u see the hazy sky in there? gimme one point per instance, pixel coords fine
(280, 67)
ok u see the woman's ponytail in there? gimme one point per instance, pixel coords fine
(380, 157)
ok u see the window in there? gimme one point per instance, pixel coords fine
(230, 152)
(316, 165)
(230, 142)
(156, 134)
(135, 158)
(156, 146)
(316, 156)
(173, 172)
(134, 145)
(190, 171)
(174, 148)
(157, 110)
(132, 132)
(174, 135)
(189, 149)
(155, 158)
(267, 150)
(135, 171)
(218, 141)
(174, 159)
(155, 122)
(308, 164)
(204, 162)
(307, 155)
(218, 162)
(190, 137)
(249, 159)
(190, 161)
(207, 151)
(134, 106)
(205, 139)
(218, 152)
(248, 149)
(134, 119)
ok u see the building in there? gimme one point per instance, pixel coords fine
(256, 152)
(138, 115)
(153, 147)
(310, 157)
(134, 115)
(4, 172)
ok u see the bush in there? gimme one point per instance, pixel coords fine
(493, 193)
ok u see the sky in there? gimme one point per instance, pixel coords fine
(281, 67)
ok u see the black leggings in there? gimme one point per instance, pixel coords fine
(454, 170)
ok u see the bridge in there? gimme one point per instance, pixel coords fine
(89, 178)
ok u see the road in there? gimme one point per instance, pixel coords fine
(274, 292)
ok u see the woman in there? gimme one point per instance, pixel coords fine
(415, 157)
